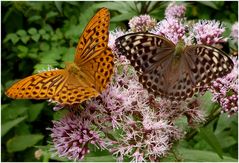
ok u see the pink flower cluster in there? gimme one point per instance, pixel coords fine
(142, 23)
(234, 32)
(112, 37)
(225, 90)
(126, 105)
(72, 135)
(127, 120)
(208, 32)
(171, 28)
(175, 11)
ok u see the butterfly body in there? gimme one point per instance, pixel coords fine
(82, 79)
(172, 71)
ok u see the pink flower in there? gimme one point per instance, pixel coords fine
(142, 23)
(225, 90)
(171, 28)
(146, 136)
(234, 32)
(113, 35)
(208, 32)
(175, 11)
(71, 136)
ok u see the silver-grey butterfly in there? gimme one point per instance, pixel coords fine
(173, 71)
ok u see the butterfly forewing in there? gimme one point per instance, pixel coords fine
(142, 49)
(94, 39)
(170, 76)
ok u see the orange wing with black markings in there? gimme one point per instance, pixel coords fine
(81, 80)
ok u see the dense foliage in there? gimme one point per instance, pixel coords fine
(38, 34)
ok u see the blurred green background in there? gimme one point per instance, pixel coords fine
(38, 34)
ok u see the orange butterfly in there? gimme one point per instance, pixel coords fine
(86, 77)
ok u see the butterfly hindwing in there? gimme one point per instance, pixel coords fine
(101, 68)
(209, 63)
(56, 85)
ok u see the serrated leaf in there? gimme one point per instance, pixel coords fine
(54, 38)
(46, 36)
(69, 55)
(22, 49)
(212, 140)
(25, 39)
(44, 46)
(13, 37)
(32, 31)
(22, 55)
(59, 33)
(42, 31)
(21, 32)
(10, 124)
(191, 155)
(20, 143)
(33, 55)
(36, 37)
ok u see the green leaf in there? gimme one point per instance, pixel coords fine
(21, 32)
(212, 4)
(227, 141)
(58, 5)
(59, 33)
(191, 155)
(223, 122)
(69, 55)
(20, 143)
(51, 14)
(44, 46)
(22, 49)
(13, 37)
(206, 102)
(9, 125)
(14, 109)
(32, 31)
(123, 17)
(46, 36)
(36, 37)
(23, 128)
(42, 31)
(34, 18)
(212, 140)
(34, 110)
(25, 39)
